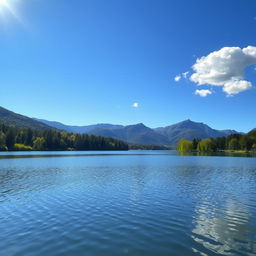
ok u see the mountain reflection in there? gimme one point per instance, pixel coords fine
(227, 230)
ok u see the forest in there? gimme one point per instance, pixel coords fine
(233, 142)
(15, 139)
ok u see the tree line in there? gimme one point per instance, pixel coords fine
(13, 139)
(233, 142)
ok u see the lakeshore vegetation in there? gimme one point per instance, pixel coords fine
(15, 139)
(233, 142)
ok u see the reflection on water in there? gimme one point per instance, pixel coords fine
(232, 154)
(225, 230)
(131, 203)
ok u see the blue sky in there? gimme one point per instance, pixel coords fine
(84, 62)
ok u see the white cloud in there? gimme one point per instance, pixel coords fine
(236, 86)
(203, 92)
(225, 68)
(177, 78)
(135, 104)
(185, 74)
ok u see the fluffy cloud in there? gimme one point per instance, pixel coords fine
(177, 78)
(135, 104)
(236, 86)
(225, 68)
(203, 93)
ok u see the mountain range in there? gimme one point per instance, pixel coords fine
(77, 129)
(135, 134)
(141, 134)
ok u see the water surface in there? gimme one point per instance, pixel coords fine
(126, 203)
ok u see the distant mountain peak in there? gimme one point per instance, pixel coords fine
(187, 121)
(140, 124)
(190, 121)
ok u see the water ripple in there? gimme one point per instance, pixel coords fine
(128, 205)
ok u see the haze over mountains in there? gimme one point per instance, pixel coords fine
(135, 134)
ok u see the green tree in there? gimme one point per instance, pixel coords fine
(220, 143)
(246, 142)
(24, 139)
(2, 141)
(195, 143)
(10, 138)
(185, 146)
(28, 137)
(39, 144)
(206, 145)
(233, 144)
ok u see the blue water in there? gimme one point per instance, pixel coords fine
(126, 203)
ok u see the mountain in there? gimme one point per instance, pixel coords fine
(10, 118)
(228, 132)
(189, 130)
(136, 134)
(78, 129)
(169, 135)
(141, 134)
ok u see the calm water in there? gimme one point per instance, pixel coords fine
(126, 203)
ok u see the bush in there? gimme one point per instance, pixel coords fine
(21, 147)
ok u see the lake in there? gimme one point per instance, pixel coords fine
(126, 203)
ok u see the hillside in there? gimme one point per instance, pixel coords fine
(10, 118)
